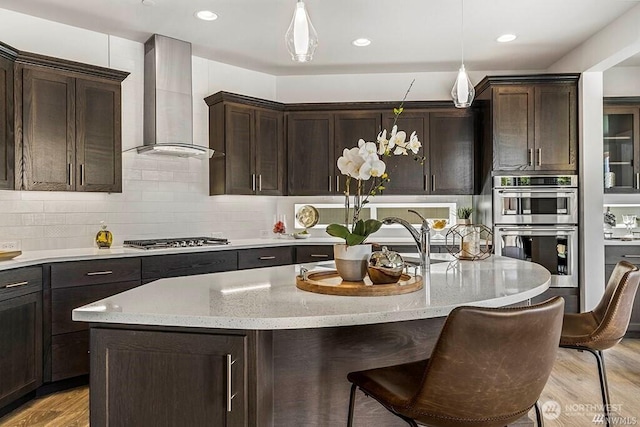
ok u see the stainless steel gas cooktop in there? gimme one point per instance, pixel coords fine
(178, 242)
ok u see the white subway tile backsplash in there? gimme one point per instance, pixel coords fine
(8, 195)
(43, 219)
(22, 206)
(10, 219)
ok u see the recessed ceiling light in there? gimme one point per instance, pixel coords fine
(361, 42)
(206, 15)
(505, 38)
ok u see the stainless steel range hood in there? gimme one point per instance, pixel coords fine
(168, 105)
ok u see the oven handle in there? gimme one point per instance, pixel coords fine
(536, 193)
(543, 229)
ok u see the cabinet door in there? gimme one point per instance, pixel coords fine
(621, 144)
(48, 122)
(407, 175)
(350, 127)
(167, 379)
(240, 128)
(98, 165)
(7, 143)
(270, 152)
(451, 153)
(556, 141)
(21, 344)
(513, 115)
(311, 156)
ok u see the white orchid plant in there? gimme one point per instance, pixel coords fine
(364, 163)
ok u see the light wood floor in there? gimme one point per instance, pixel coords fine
(573, 385)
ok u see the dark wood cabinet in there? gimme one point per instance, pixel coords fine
(156, 267)
(250, 133)
(68, 125)
(311, 153)
(264, 257)
(530, 122)
(313, 253)
(165, 378)
(20, 333)
(7, 143)
(571, 298)
(621, 144)
(613, 254)
(71, 285)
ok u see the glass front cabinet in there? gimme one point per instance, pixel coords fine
(621, 168)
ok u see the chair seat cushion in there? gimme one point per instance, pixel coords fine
(578, 330)
(394, 385)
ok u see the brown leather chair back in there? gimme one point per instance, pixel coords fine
(491, 363)
(613, 312)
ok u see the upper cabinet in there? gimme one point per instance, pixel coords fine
(250, 133)
(621, 144)
(60, 124)
(529, 122)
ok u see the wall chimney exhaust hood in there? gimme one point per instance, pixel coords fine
(168, 105)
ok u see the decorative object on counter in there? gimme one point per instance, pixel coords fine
(307, 216)
(4, 256)
(385, 266)
(301, 235)
(468, 241)
(630, 222)
(330, 283)
(463, 91)
(104, 238)
(609, 218)
(279, 225)
(301, 38)
(351, 261)
(362, 164)
(438, 225)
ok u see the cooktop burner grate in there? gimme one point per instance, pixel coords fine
(178, 242)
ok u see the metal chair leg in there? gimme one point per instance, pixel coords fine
(539, 419)
(602, 374)
(352, 401)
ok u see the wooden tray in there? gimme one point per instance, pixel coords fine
(9, 255)
(330, 283)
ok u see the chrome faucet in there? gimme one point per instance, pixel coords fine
(421, 237)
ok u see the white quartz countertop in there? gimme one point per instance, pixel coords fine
(267, 298)
(28, 258)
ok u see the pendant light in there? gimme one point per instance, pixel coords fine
(463, 91)
(301, 37)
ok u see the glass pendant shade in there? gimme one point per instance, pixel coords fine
(463, 91)
(301, 37)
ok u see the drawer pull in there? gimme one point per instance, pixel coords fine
(15, 285)
(319, 256)
(630, 256)
(99, 273)
(264, 258)
(230, 393)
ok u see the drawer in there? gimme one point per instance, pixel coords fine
(155, 267)
(20, 281)
(314, 253)
(81, 273)
(613, 254)
(264, 257)
(63, 301)
(69, 355)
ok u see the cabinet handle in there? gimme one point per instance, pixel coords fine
(638, 181)
(260, 182)
(425, 183)
(82, 174)
(253, 182)
(15, 285)
(530, 155)
(264, 258)
(337, 183)
(433, 183)
(99, 273)
(319, 256)
(330, 181)
(630, 256)
(70, 167)
(539, 156)
(230, 394)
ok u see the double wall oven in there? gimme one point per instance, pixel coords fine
(536, 219)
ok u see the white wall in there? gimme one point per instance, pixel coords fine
(621, 81)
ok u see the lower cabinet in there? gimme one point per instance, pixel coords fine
(20, 333)
(613, 254)
(154, 378)
(176, 265)
(314, 253)
(265, 257)
(570, 295)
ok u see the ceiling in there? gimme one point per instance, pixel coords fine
(407, 35)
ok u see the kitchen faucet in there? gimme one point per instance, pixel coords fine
(422, 237)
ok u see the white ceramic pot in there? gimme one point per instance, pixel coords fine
(352, 261)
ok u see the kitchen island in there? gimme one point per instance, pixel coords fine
(249, 348)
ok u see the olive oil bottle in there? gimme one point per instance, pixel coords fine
(104, 238)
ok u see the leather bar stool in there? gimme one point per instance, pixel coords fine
(605, 325)
(487, 369)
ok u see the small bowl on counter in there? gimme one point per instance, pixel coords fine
(301, 235)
